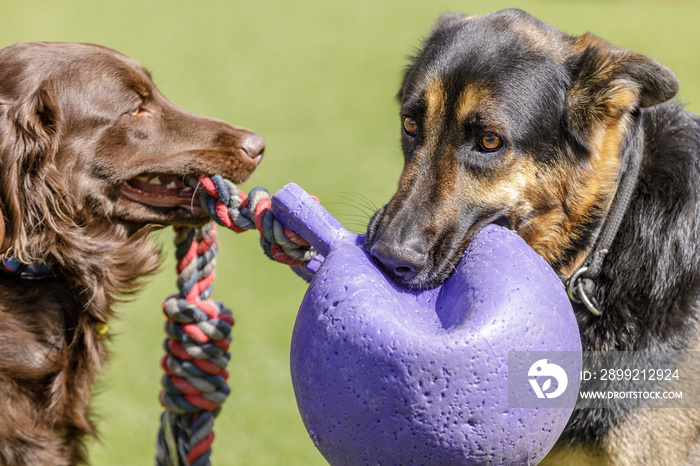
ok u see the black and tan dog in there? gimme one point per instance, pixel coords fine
(573, 143)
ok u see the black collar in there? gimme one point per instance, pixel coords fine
(582, 286)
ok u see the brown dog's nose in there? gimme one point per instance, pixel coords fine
(254, 146)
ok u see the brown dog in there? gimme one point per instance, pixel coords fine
(573, 143)
(92, 158)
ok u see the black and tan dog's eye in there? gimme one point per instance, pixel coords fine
(410, 126)
(490, 142)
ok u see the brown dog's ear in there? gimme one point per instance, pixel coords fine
(31, 132)
(609, 82)
(28, 141)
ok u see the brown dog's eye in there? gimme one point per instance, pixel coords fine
(137, 111)
(490, 142)
(410, 126)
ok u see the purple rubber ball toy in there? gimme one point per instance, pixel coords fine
(390, 376)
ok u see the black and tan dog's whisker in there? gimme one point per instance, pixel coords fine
(363, 200)
(363, 203)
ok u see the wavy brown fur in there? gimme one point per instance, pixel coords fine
(78, 122)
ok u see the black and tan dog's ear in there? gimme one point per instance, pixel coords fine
(445, 21)
(609, 82)
(449, 19)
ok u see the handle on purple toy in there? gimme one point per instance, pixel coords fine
(298, 211)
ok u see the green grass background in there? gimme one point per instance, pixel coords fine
(317, 79)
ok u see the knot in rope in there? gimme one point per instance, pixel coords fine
(230, 207)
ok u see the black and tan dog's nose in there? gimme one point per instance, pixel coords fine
(399, 262)
(254, 147)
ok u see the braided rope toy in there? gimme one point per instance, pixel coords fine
(198, 328)
(381, 373)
